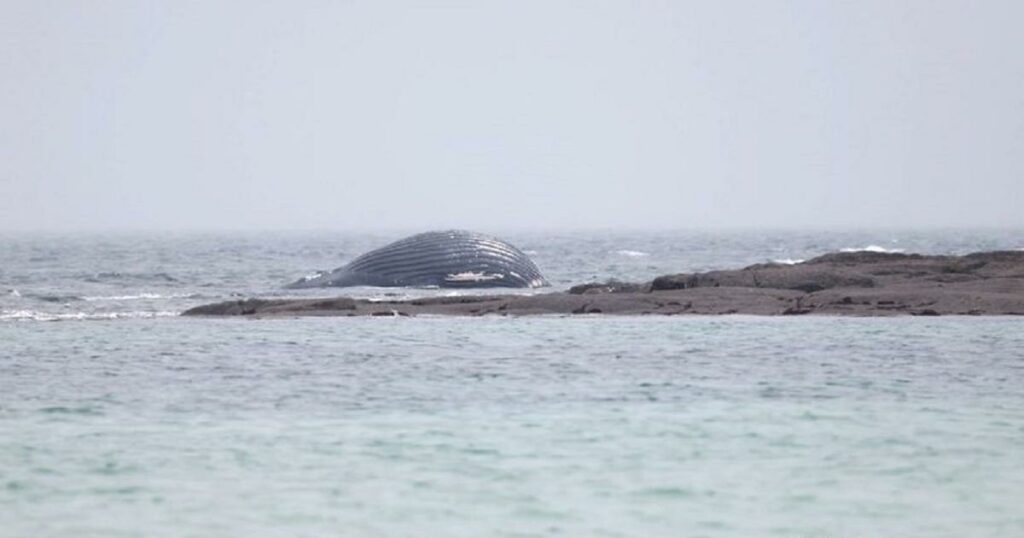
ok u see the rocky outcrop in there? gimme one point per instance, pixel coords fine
(854, 283)
(610, 286)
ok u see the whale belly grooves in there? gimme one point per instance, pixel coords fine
(448, 259)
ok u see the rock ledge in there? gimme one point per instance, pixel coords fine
(842, 283)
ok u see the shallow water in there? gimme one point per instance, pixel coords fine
(573, 426)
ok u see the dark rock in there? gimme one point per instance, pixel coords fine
(338, 303)
(230, 308)
(611, 286)
(793, 277)
(860, 257)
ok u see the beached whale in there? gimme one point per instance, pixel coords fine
(447, 259)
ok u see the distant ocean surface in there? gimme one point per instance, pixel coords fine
(119, 418)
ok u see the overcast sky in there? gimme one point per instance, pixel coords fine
(503, 115)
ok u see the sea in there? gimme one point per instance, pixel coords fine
(120, 418)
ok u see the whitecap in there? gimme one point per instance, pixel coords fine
(32, 315)
(313, 276)
(631, 253)
(14, 293)
(873, 248)
(138, 297)
(788, 261)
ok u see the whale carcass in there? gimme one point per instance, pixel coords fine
(446, 259)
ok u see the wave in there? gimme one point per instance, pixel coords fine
(32, 315)
(114, 275)
(631, 253)
(15, 293)
(788, 261)
(873, 248)
(139, 296)
(56, 298)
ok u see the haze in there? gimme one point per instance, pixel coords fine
(365, 115)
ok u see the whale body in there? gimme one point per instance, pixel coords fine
(445, 259)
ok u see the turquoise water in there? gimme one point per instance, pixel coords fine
(735, 426)
(118, 418)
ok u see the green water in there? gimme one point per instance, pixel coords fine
(732, 426)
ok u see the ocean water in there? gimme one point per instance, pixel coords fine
(119, 418)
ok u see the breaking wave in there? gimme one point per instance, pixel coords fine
(32, 315)
(631, 253)
(139, 296)
(57, 298)
(873, 248)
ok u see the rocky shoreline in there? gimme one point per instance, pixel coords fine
(843, 283)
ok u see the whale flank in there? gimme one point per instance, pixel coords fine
(445, 259)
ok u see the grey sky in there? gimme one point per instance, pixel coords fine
(262, 115)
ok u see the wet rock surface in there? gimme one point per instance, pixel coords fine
(844, 283)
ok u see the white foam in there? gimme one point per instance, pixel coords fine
(14, 293)
(631, 253)
(873, 248)
(788, 261)
(31, 315)
(137, 297)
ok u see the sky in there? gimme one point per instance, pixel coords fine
(238, 115)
